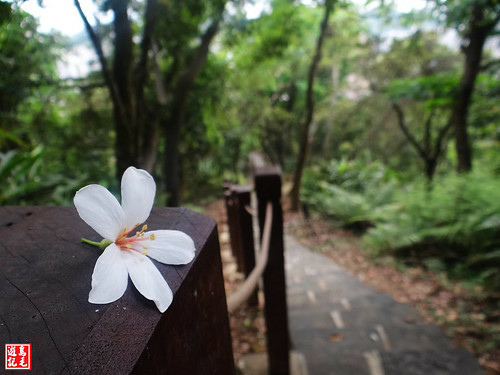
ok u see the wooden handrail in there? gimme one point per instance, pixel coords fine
(245, 291)
(267, 182)
(46, 277)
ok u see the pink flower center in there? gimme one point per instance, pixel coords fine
(133, 242)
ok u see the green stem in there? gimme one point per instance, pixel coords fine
(101, 245)
(91, 242)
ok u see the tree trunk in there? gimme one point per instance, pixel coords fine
(478, 32)
(134, 123)
(172, 165)
(147, 111)
(429, 155)
(335, 95)
(305, 138)
(430, 168)
(178, 110)
(125, 114)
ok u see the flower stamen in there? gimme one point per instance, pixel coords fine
(127, 243)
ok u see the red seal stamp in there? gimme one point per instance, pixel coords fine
(17, 356)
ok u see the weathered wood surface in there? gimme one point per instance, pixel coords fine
(268, 188)
(242, 196)
(234, 228)
(46, 273)
(241, 231)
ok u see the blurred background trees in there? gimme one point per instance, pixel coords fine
(402, 99)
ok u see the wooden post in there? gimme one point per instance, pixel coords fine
(268, 188)
(232, 223)
(246, 245)
(45, 280)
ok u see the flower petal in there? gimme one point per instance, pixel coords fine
(100, 209)
(110, 277)
(138, 194)
(169, 246)
(148, 280)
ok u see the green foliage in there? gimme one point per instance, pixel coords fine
(215, 141)
(5, 12)
(456, 222)
(348, 192)
(27, 59)
(31, 119)
(284, 33)
(23, 181)
(452, 226)
(437, 90)
(250, 96)
(457, 13)
(418, 56)
(182, 25)
(485, 111)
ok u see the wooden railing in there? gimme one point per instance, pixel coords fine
(241, 233)
(46, 273)
(267, 184)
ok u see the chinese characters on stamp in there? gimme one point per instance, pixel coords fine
(17, 356)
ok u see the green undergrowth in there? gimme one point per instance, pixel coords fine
(348, 193)
(24, 180)
(451, 226)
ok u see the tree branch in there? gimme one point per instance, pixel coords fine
(200, 55)
(427, 136)
(100, 54)
(190, 73)
(63, 84)
(314, 65)
(178, 109)
(440, 138)
(305, 139)
(402, 124)
(123, 58)
(490, 64)
(146, 43)
(161, 92)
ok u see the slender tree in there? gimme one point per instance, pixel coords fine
(172, 126)
(478, 19)
(428, 152)
(135, 120)
(305, 140)
(140, 118)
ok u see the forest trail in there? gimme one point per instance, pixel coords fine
(345, 327)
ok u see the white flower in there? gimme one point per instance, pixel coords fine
(126, 255)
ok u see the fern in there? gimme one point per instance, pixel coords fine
(454, 225)
(24, 182)
(457, 220)
(349, 192)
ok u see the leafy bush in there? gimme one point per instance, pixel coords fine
(349, 192)
(454, 226)
(21, 173)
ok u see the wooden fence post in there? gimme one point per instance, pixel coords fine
(234, 228)
(268, 188)
(45, 276)
(242, 198)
